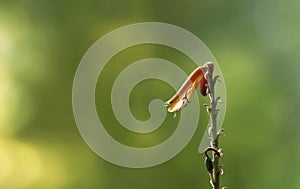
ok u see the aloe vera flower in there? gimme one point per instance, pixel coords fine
(183, 95)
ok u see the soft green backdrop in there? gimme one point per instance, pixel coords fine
(256, 43)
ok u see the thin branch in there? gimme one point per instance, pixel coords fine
(215, 173)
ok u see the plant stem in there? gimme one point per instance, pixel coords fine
(216, 172)
(214, 143)
(214, 138)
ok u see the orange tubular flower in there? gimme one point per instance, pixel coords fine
(183, 95)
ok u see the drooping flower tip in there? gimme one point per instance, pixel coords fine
(175, 104)
(184, 94)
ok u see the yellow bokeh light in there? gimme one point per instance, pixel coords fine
(26, 165)
(20, 164)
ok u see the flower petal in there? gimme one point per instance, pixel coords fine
(183, 95)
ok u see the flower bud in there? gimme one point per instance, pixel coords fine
(209, 164)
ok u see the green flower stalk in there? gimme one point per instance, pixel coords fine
(203, 78)
(217, 170)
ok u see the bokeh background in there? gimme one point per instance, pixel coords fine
(256, 44)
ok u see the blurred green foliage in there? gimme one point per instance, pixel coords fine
(255, 42)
